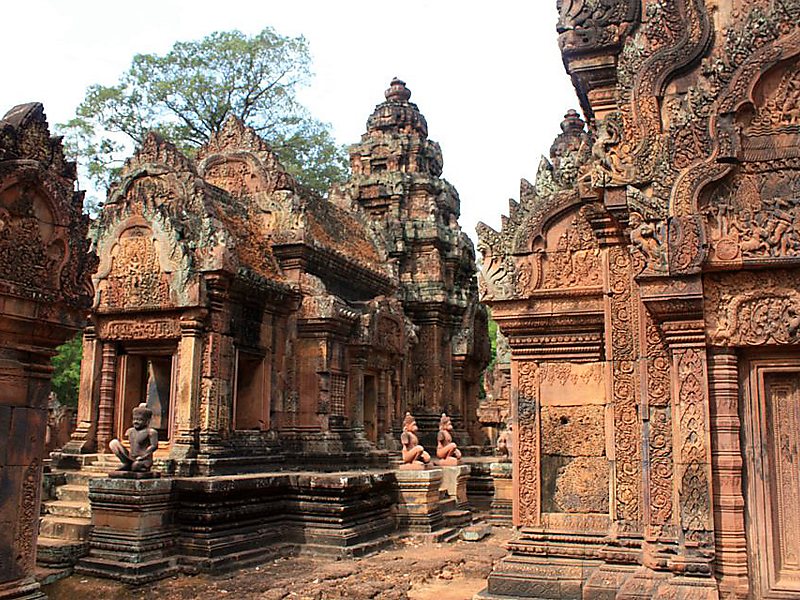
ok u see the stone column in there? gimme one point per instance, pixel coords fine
(108, 388)
(84, 438)
(188, 387)
(726, 464)
(357, 394)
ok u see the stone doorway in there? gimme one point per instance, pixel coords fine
(771, 422)
(251, 395)
(370, 408)
(148, 378)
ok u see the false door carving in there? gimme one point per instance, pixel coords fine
(772, 436)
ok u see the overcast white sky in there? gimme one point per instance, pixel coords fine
(487, 75)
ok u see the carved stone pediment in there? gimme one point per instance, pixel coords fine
(44, 250)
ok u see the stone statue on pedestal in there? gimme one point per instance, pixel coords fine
(505, 444)
(414, 455)
(446, 450)
(143, 443)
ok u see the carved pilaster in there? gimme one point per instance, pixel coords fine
(108, 387)
(726, 462)
(527, 510)
(216, 372)
(692, 447)
(187, 404)
(357, 392)
(623, 333)
(83, 439)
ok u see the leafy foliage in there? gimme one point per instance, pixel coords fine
(67, 371)
(187, 94)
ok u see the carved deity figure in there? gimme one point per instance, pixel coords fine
(446, 449)
(143, 442)
(505, 444)
(644, 236)
(414, 455)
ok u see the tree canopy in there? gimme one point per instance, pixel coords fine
(67, 371)
(187, 94)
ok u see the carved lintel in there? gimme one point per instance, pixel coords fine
(672, 298)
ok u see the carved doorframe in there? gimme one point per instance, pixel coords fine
(760, 491)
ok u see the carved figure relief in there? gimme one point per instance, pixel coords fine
(135, 279)
(32, 248)
(575, 261)
(648, 238)
(755, 216)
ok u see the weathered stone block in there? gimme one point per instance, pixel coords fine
(571, 384)
(582, 486)
(573, 430)
(418, 500)
(454, 481)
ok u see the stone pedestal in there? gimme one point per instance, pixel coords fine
(418, 503)
(503, 499)
(454, 481)
(133, 539)
(480, 488)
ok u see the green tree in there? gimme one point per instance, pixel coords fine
(67, 371)
(187, 94)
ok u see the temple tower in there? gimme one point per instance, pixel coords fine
(397, 181)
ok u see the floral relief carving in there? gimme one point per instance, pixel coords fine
(624, 388)
(750, 309)
(528, 442)
(661, 440)
(695, 491)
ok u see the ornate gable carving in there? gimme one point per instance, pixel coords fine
(528, 253)
(44, 251)
(135, 279)
(240, 162)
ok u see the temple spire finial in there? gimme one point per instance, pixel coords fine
(397, 92)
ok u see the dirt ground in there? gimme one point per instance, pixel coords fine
(410, 570)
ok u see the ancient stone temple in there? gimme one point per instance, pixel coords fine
(647, 283)
(45, 293)
(396, 180)
(261, 323)
(271, 335)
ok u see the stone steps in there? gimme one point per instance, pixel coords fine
(67, 508)
(73, 492)
(56, 553)
(133, 574)
(65, 528)
(457, 518)
(66, 523)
